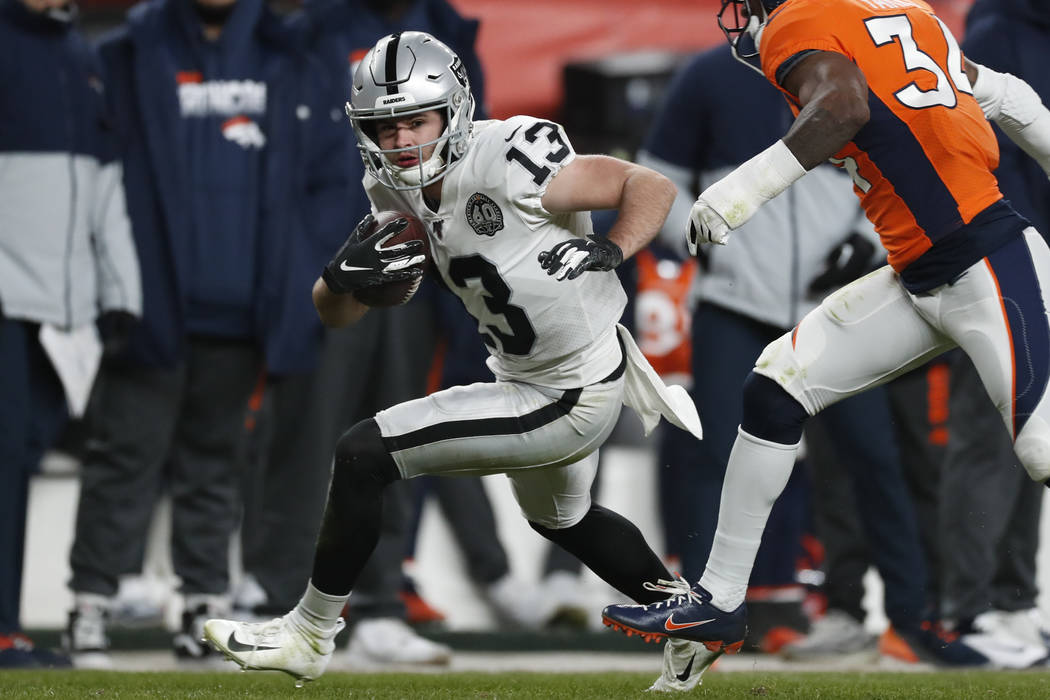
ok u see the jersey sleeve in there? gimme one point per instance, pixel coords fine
(533, 152)
(798, 28)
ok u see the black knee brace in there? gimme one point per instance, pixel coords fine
(361, 470)
(360, 456)
(770, 413)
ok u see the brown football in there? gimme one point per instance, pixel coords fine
(396, 293)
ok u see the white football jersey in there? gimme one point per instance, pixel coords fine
(485, 239)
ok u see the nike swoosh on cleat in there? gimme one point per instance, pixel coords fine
(684, 675)
(670, 625)
(233, 645)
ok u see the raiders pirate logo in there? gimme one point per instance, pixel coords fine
(460, 71)
(483, 215)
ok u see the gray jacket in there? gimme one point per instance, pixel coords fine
(66, 251)
(764, 270)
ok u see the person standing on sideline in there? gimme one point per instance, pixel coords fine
(506, 208)
(214, 136)
(67, 260)
(873, 85)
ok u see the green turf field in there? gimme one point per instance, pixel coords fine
(477, 686)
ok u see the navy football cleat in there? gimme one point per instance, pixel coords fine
(686, 614)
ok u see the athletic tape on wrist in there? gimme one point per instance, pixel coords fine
(739, 194)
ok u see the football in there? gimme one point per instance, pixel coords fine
(396, 293)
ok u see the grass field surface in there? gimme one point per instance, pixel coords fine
(86, 685)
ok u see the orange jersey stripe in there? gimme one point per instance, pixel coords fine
(922, 166)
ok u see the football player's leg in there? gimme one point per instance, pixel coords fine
(998, 313)
(301, 642)
(861, 336)
(557, 504)
(838, 350)
(361, 469)
(499, 427)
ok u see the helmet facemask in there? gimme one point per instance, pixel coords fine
(743, 28)
(403, 75)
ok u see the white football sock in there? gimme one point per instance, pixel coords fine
(320, 611)
(757, 473)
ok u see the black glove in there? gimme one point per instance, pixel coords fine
(114, 328)
(570, 259)
(845, 262)
(363, 261)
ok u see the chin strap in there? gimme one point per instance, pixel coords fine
(1012, 104)
(417, 175)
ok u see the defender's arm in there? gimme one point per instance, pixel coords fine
(1012, 104)
(833, 94)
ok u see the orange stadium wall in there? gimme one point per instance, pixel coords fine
(525, 45)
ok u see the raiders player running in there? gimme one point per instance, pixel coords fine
(506, 207)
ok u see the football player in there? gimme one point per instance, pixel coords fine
(506, 207)
(881, 88)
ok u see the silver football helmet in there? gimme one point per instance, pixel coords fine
(404, 74)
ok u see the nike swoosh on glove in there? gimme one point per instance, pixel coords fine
(705, 226)
(570, 259)
(366, 261)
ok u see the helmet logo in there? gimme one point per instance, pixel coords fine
(459, 71)
(484, 215)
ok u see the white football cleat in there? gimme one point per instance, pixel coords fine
(520, 603)
(992, 634)
(836, 635)
(282, 644)
(684, 664)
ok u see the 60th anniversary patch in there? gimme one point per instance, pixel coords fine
(484, 215)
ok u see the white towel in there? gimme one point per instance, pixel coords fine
(646, 393)
(75, 355)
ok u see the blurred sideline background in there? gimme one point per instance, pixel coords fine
(598, 66)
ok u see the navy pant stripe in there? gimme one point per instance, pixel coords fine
(1022, 297)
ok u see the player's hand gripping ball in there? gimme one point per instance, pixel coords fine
(382, 262)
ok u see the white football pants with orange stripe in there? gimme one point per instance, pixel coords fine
(873, 330)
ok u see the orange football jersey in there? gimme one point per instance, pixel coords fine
(922, 166)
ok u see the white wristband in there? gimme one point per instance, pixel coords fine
(1012, 104)
(738, 195)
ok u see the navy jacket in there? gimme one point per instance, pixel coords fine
(143, 78)
(1013, 36)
